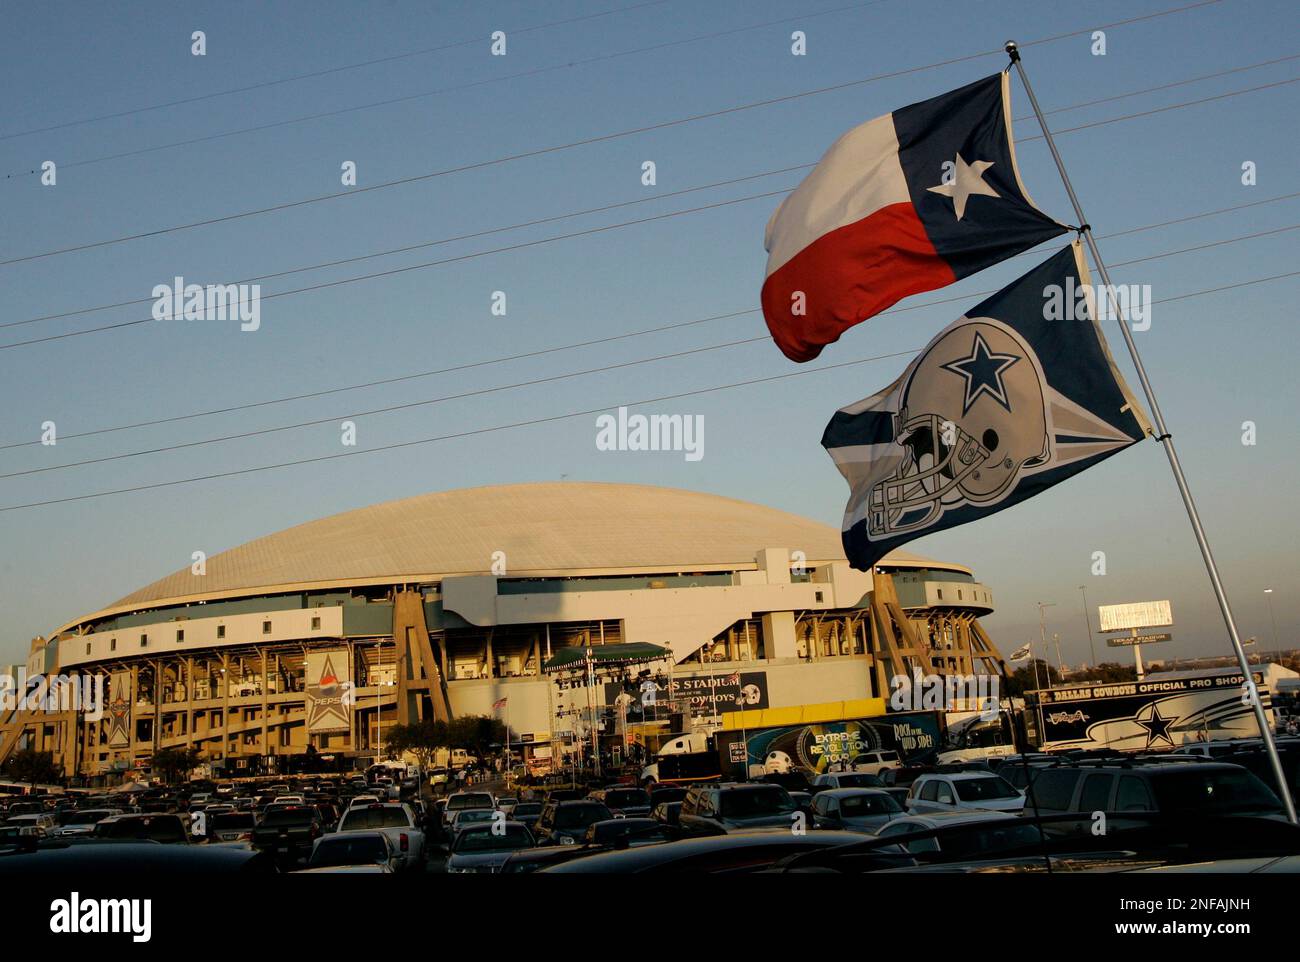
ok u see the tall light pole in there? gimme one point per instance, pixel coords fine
(1087, 620)
(1042, 628)
(1268, 593)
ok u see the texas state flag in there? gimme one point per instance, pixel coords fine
(905, 203)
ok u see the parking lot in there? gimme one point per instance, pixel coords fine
(1025, 811)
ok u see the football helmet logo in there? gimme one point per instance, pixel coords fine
(973, 418)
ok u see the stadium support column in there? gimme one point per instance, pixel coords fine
(157, 705)
(134, 716)
(266, 683)
(899, 647)
(417, 669)
(189, 702)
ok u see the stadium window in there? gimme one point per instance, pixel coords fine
(112, 644)
(959, 594)
(266, 627)
(221, 631)
(180, 634)
(939, 592)
(88, 648)
(315, 623)
(820, 597)
(144, 641)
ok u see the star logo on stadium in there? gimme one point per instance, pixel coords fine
(119, 711)
(326, 698)
(967, 181)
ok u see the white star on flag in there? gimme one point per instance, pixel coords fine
(968, 180)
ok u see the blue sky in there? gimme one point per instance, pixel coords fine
(1216, 360)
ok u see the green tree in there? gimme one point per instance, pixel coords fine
(174, 764)
(1107, 671)
(32, 767)
(1025, 678)
(478, 733)
(422, 739)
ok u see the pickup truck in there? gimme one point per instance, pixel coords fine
(395, 820)
(288, 831)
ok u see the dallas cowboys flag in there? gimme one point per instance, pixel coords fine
(905, 203)
(1002, 404)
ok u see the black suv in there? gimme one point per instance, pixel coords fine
(735, 807)
(168, 829)
(565, 823)
(624, 800)
(1208, 789)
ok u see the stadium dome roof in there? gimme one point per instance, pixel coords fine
(545, 529)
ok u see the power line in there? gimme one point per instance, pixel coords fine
(389, 409)
(608, 207)
(536, 71)
(1168, 86)
(600, 340)
(543, 420)
(548, 240)
(549, 378)
(588, 141)
(1161, 110)
(322, 73)
(436, 243)
(392, 380)
(415, 267)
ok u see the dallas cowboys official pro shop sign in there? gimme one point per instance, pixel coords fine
(1147, 715)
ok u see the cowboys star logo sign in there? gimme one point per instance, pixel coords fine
(1001, 404)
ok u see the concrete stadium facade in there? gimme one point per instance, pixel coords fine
(493, 581)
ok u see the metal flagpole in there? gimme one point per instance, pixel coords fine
(1163, 436)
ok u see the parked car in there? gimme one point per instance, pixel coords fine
(526, 812)
(627, 833)
(356, 853)
(624, 800)
(1202, 789)
(803, 801)
(731, 854)
(953, 791)
(484, 848)
(289, 831)
(43, 821)
(846, 780)
(459, 801)
(470, 816)
(855, 809)
(81, 821)
(86, 858)
(668, 813)
(394, 819)
(1004, 830)
(169, 829)
(873, 763)
(735, 807)
(565, 822)
(232, 827)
